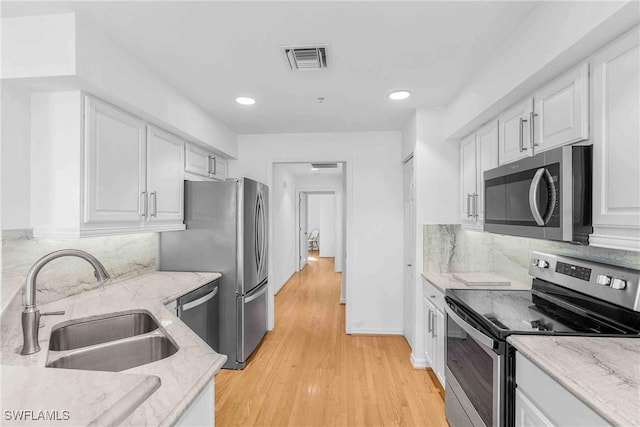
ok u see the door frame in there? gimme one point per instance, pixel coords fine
(347, 232)
(300, 192)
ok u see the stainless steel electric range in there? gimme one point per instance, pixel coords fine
(569, 296)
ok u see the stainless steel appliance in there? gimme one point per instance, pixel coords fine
(199, 310)
(569, 296)
(226, 232)
(547, 196)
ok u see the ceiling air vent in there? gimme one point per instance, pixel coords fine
(306, 58)
(324, 165)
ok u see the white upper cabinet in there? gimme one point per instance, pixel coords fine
(165, 173)
(561, 111)
(201, 164)
(119, 176)
(478, 153)
(513, 132)
(616, 144)
(115, 156)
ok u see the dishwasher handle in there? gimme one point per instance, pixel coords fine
(199, 301)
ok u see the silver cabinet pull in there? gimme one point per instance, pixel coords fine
(469, 215)
(214, 167)
(154, 196)
(475, 204)
(435, 328)
(142, 204)
(532, 132)
(429, 326)
(209, 164)
(433, 324)
(521, 135)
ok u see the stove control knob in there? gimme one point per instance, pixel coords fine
(534, 261)
(619, 284)
(543, 264)
(603, 280)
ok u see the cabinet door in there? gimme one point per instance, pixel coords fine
(514, 133)
(527, 414)
(219, 168)
(468, 176)
(114, 180)
(487, 158)
(165, 171)
(197, 161)
(616, 146)
(429, 342)
(562, 111)
(439, 345)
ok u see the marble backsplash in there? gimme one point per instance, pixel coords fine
(449, 248)
(123, 257)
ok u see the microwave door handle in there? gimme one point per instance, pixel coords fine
(533, 196)
(554, 196)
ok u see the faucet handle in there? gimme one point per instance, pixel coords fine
(53, 313)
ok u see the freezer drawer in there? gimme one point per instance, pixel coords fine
(252, 320)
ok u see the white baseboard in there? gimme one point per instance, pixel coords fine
(418, 363)
(376, 332)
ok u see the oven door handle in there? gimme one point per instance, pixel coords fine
(533, 196)
(473, 332)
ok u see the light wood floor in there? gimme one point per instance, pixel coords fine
(308, 372)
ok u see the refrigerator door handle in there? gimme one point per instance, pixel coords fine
(256, 295)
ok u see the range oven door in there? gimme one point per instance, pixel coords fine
(475, 367)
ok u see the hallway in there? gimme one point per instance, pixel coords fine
(308, 372)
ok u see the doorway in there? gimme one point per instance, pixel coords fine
(318, 232)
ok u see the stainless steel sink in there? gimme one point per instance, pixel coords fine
(112, 342)
(92, 331)
(118, 355)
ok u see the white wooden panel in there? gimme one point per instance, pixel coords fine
(197, 160)
(201, 411)
(487, 158)
(527, 414)
(616, 185)
(115, 163)
(514, 142)
(562, 110)
(219, 168)
(165, 176)
(467, 178)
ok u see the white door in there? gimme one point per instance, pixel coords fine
(409, 254)
(115, 176)
(302, 229)
(487, 158)
(468, 177)
(514, 132)
(562, 111)
(197, 161)
(616, 138)
(165, 172)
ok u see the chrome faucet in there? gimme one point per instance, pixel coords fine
(30, 313)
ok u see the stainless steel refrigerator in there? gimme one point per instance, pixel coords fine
(226, 232)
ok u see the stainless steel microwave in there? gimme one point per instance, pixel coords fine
(547, 196)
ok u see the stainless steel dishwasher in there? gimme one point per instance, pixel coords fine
(199, 310)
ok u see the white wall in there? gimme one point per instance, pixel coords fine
(282, 213)
(16, 178)
(554, 37)
(374, 213)
(321, 211)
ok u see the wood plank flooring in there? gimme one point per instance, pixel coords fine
(308, 372)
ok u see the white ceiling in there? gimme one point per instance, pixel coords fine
(215, 51)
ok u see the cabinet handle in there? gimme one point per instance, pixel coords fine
(214, 169)
(434, 334)
(532, 128)
(475, 205)
(469, 215)
(142, 204)
(154, 213)
(521, 135)
(429, 326)
(209, 164)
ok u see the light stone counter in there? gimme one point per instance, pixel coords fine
(444, 281)
(120, 395)
(602, 372)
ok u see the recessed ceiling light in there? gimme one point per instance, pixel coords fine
(243, 100)
(399, 95)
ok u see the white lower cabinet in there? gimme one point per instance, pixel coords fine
(616, 144)
(541, 401)
(434, 329)
(98, 170)
(201, 412)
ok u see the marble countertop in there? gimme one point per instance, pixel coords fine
(153, 394)
(602, 372)
(444, 281)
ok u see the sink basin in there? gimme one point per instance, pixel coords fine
(91, 331)
(118, 355)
